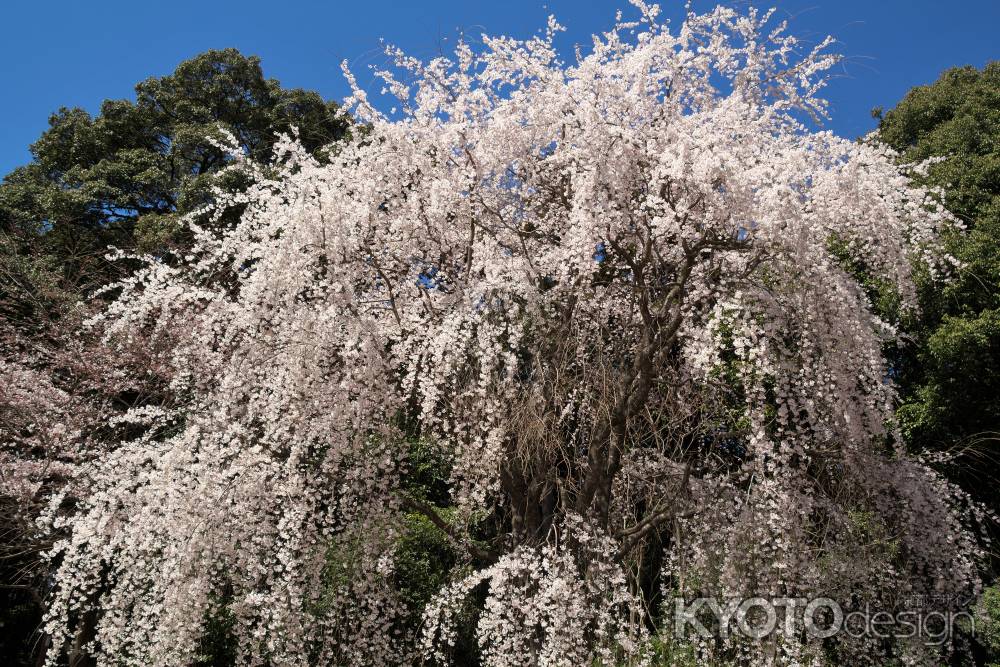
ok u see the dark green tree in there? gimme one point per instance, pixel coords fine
(950, 374)
(126, 176)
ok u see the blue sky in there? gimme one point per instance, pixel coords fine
(77, 53)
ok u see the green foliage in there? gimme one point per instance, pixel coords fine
(666, 652)
(957, 117)
(950, 376)
(988, 624)
(126, 176)
(428, 469)
(424, 563)
(425, 558)
(218, 647)
(963, 354)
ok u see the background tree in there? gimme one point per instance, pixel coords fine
(125, 178)
(949, 376)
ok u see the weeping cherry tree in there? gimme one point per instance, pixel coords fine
(618, 296)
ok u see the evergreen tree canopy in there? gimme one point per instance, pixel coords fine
(951, 377)
(126, 176)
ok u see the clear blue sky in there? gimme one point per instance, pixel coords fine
(77, 53)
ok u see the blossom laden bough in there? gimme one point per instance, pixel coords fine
(614, 293)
